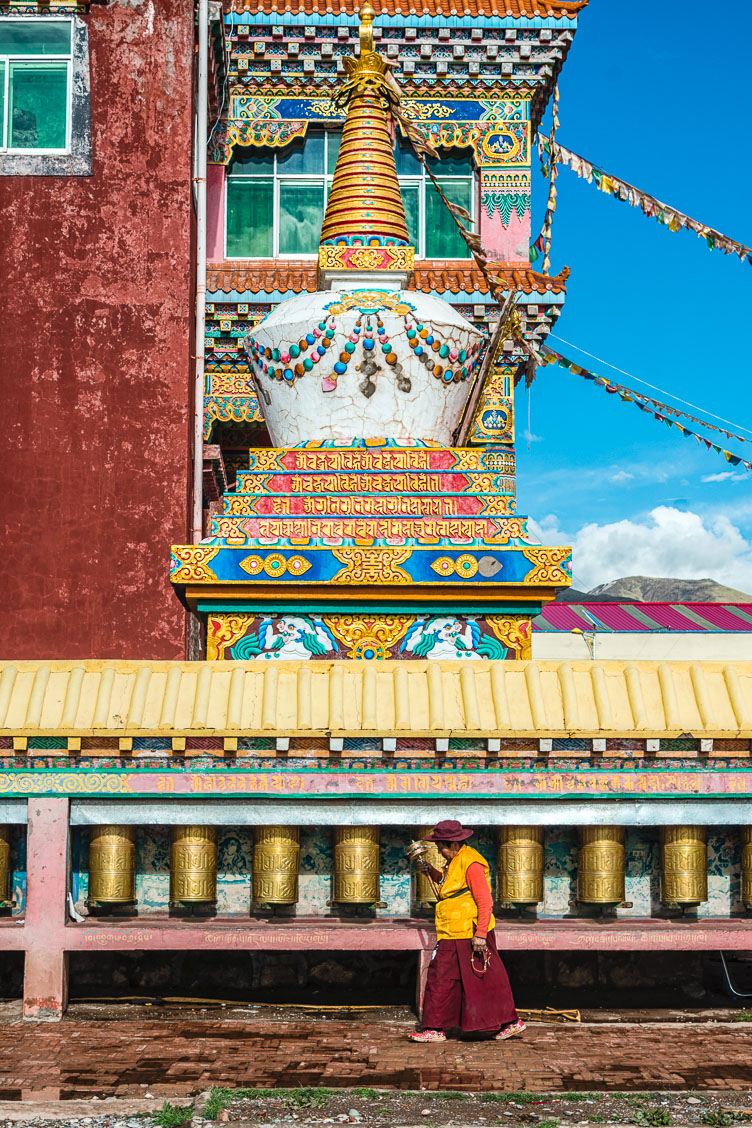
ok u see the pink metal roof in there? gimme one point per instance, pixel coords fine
(662, 616)
(616, 616)
(564, 617)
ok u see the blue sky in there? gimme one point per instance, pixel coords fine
(658, 94)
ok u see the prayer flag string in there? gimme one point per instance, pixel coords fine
(661, 412)
(551, 151)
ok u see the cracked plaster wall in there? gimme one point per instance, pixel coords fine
(95, 359)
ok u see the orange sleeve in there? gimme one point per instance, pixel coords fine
(477, 883)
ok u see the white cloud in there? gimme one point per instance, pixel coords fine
(723, 476)
(668, 542)
(531, 438)
(621, 476)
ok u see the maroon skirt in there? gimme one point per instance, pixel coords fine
(456, 996)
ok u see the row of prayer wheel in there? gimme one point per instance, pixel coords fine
(276, 858)
(193, 865)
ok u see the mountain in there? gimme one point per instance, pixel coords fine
(650, 589)
(572, 595)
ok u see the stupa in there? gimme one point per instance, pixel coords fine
(362, 357)
(364, 532)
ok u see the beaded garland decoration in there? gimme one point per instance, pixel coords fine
(369, 336)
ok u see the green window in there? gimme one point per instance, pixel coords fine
(432, 229)
(35, 66)
(276, 199)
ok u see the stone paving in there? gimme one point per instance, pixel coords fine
(79, 1058)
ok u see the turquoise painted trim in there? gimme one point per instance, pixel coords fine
(221, 297)
(394, 605)
(286, 19)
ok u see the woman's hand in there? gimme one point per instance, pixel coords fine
(479, 944)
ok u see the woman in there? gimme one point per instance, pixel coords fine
(466, 986)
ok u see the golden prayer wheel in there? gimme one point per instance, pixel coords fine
(112, 865)
(276, 858)
(746, 890)
(519, 865)
(424, 894)
(600, 865)
(193, 865)
(356, 865)
(5, 866)
(684, 865)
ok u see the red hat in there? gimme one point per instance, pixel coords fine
(448, 831)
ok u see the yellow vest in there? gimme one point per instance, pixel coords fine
(456, 910)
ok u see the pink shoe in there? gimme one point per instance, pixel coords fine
(511, 1031)
(428, 1036)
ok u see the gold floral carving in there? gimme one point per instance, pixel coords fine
(194, 563)
(362, 636)
(223, 631)
(275, 565)
(366, 258)
(265, 458)
(547, 566)
(514, 633)
(372, 565)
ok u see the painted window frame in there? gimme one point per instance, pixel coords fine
(420, 179)
(324, 178)
(76, 158)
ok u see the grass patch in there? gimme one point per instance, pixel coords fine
(506, 1098)
(723, 1117)
(450, 1095)
(597, 1118)
(171, 1116)
(652, 1117)
(548, 1124)
(306, 1098)
(578, 1096)
(367, 1094)
(220, 1098)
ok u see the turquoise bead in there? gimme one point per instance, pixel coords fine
(411, 333)
(294, 350)
(275, 354)
(387, 348)
(463, 354)
(308, 364)
(444, 350)
(350, 347)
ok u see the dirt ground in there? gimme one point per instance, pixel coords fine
(372, 1108)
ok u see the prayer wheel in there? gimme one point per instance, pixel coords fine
(356, 865)
(424, 894)
(5, 865)
(684, 865)
(600, 865)
(112, 865)
(193, 865)
(746, 890)
(519, 865)
(276, 863)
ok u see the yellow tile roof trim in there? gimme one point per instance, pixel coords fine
(269, 698)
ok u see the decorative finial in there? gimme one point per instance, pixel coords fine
(367, 16)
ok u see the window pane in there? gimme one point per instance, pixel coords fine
(250, 217)
(38, 105)
(457, 165)
(333, 142)
(411, 200)
(301, 213)
(35, 37)
(305, 157)
(407, 163)
(252, 164)
(2, 104)
(442, 237)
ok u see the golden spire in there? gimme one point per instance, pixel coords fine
(365, 209)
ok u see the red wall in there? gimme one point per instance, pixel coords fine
(95, 342)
